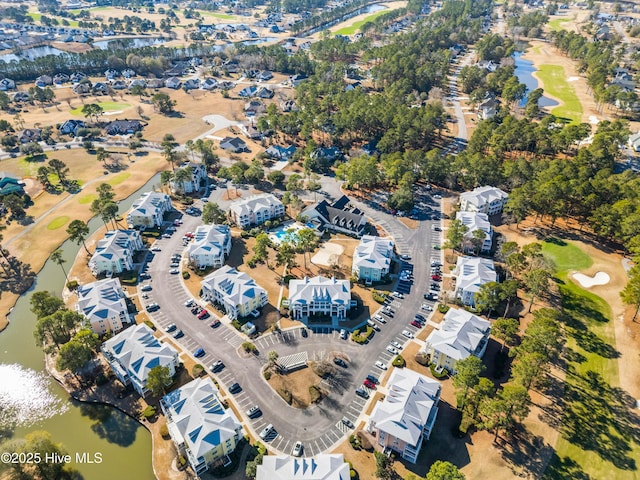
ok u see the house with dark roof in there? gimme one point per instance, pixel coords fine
(264, 92)
(155, 83)
(340, 216)
(43, 81)
(10, 184)
(137, 81)
(209, 84)
(28, 135)
(254, 107)
(264, 76)
(249, 91)
(78, 77)
(234, 144)
(100, 87)
(21, 97)
(192, 84)
(280, 152)
(330, 154)
(82, 88)
(173, 83)
(123, 127)
(70, 127)
(60, 78)
(7, 84)
(111, 74)
(178, 70)
(119, 85)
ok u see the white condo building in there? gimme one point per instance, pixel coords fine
(460, 335)
(210, 247)
(406, 416)
(476, 221)
(320, 296)
(320, 467)
(489, 200)
(256, 209)
(134, 352)
(114, 253)
(372, 258)
(103, 304)
(200, 427)
(148, 211)
(236, 291)
(192, 182)
(471, 273)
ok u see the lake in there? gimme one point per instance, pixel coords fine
(524, 72)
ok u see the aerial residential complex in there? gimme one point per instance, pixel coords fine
(114, 253)
(339, 216)
(237, 292)
(134, 352)
(190, 183)
(256, 209)
(200, 427)
(489, 200)
(148, 211)
(461, 334)
(103, 303)
(406, 416)
(476, 221)
(211, 246)
(320, 296)
(372, 258)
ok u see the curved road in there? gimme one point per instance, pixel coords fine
(318, 427)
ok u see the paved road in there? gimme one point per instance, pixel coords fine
(318, 427)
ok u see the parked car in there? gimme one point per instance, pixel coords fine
(174, 271)
(171, 327)
(178, 334)
(343, 334)
(235, 388)
(340, 362)
(199, 353)
(405, 257)
(297, 449)
(266, 432)
(254, 412)
(381, 365)
(217, 366)
(361, 392)
(188, 303)
(407, 333)
(379, 318)
(304, 333)
(373, 378)
(152, 307)
(215, 323)
(203, 315)
(146, 288)
(347, 423)
(436, 278)
(426, 307)
(373, 325)
(420, 318)
(369, 384)
(196, 310)
(396, 344)
(397, 294)
(392, 350)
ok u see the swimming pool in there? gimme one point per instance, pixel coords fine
(287, 233)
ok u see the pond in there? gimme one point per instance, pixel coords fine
(524, 72)
(37, 402)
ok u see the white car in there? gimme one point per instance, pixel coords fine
(174, 271)
(396, 344)
(297, 449)
(392, 350)
(381, 365)
(426, 307)
(379, 318)
(146, 288)
(188, 303)
(266, 432)
(343, 334)
(155, 248)
(407, 333)
(397, 294)
(437, 196)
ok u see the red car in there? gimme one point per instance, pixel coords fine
(437, 278)
(203, 314)
(369, 384)
(416, 324)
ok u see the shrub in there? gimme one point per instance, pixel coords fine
(101, 379)
(443, 308)
(236, 324)
(197, 370)
(149, 412)
(354, 442)
(399, 362)
(437, 375)
(186, 275)
(267, 375)
(362, 337)
(72, 285)
(316, 394)
(378, 296)
(150, 324)
(249, 347)
(244, 234)
(164, 431)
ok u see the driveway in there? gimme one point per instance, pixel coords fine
(319, 427)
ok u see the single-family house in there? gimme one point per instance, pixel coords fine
(191, 84)
(60, 78)
(281, 153)
(197, 172)
(203, 431)
(372, 258)
(234, 145)
(137, 82)
(123, 127)
(148, 210)
(83, 88)
(114, 253)
(70, 127)
(255, 210)
(211, 246)
(471, 273)
(155, 83)
(10, 184)
(340, 216)
(328, 154)
(264, 76)
(295, 80)
(249, 91)
(28, 135)
(322, 296)
(475, 221)
(44, 81)
(111, 74)
(634, 142)
(487, 199)
(406, 417)
(288, 106)
(178, 70)
(209, 84)
(104, 306)
(134, 352)
(460, 335)
(77, 77)
(264, 92)
(100, 87)
(7, 84)
(128, 73)
(173, 82)
(251, 131)
(324, 466)
(237, 292)
(254, 107)
(21, 97)
(487, 108)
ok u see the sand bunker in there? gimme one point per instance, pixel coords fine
(113, 112)
(600, 278)
(573, 79)
(328, 254)
(593, 120)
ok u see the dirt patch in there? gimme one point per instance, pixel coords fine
(297, 385)
(409, 223)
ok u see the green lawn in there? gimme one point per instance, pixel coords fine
(88, 198)
(58, 222)
(37, 17)
(556, 24)
(554, 82)
(118, 179)
(106, 106)
(598, 427)
(222, 16)
(357, 25)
